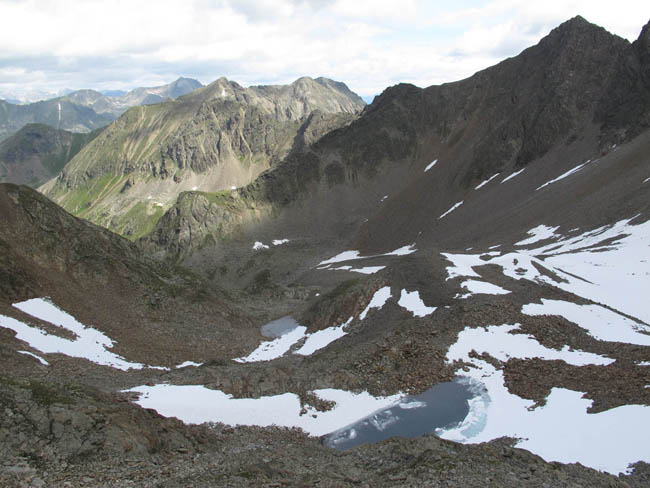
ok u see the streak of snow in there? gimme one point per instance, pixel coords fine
(364, 270)
(411, 301)
(539, 233)
(269, 350)
(378, 300)
(402, 251)
(344, 256)
(194, 404)
(512, 175)
(352, 255)
(40, 359)
(453, 207)
(599, 322)
(646, 180)
(564, 175)
(383, 198)
(89, 343)
(279, 242)
(430, 165)
(482, 184)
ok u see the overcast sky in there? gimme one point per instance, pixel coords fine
(368, 44)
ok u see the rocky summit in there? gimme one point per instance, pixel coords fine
(447, 287)
(217, 138)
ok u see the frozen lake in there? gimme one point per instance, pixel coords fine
(279, 327)
(441, 406)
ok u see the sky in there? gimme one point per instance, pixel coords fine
(51, 45)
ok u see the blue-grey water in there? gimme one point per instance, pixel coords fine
(279, 327)
(444, 405)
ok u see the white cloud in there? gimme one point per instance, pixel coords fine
(369, 44)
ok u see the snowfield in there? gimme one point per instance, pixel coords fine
(90, 344)
(608, 265)
(195, 404)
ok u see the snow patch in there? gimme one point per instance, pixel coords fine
(259, 245)
(609, 265)
(90, 344)
(561, 430)
(599, 322)
(322, 338)
(539, 233)
(195, 404)
(279, 242)
(476, 287)
(269, 350)
(411, 301)
(188, 364)
(378, 300)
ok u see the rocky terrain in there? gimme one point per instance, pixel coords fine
(491, 232)
(216, 138)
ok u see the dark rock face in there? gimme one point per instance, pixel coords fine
(580, 87)
(38, 152)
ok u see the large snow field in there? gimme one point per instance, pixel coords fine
(196, 404)
(561, 430)
(608, 265)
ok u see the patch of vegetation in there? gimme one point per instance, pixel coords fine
(80, 200)
(46, 395)
(41, 393)
(138, 221)
(343, 288)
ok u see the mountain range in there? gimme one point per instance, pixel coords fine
(85, 110)
(447, 287)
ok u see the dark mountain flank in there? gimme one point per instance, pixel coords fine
(59, 113)
(559, 103)
(38, 152)
(215, 138)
